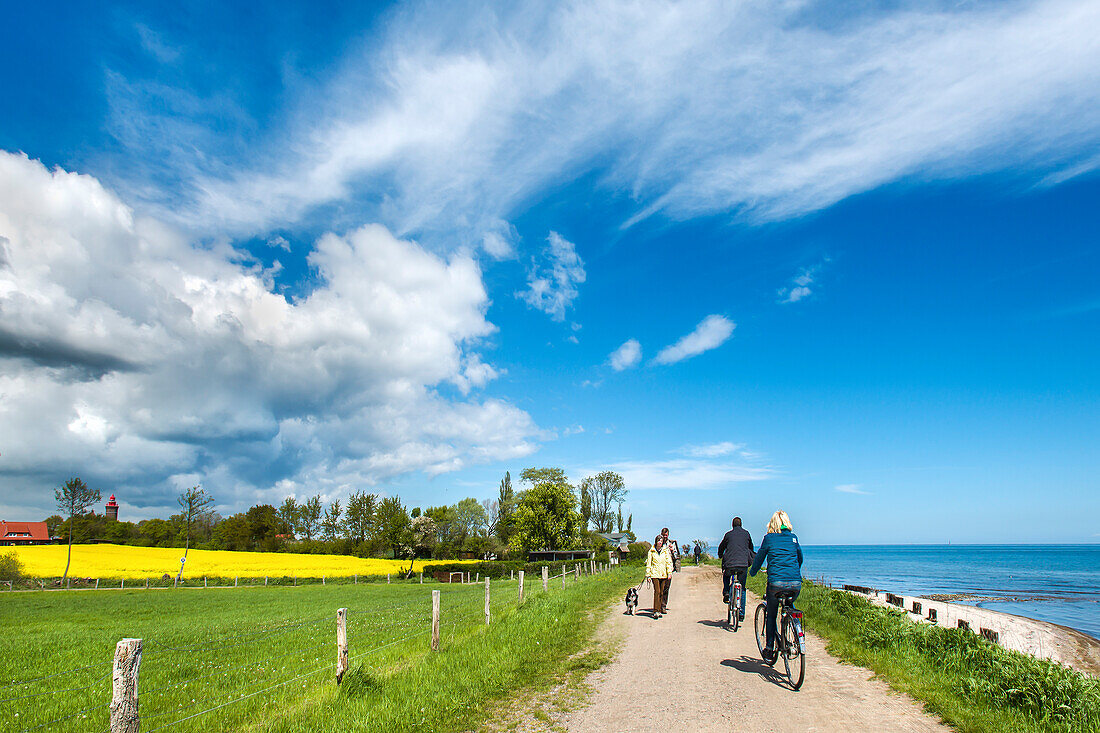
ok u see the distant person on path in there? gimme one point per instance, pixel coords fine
(784, 555)
(698, 554)
(674, 549)
(658, 569)
(737, 555)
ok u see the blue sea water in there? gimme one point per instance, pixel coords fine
(1056, 583)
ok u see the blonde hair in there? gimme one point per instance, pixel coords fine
(778, 521)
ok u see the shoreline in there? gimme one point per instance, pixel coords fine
(1041, 639)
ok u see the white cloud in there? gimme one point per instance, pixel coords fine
(683, 473)
(129, 356)
(552, 283)
(712, 332)
(457, 120)
(626, 356)
(799, 287)
(851, 489)
(713, 450)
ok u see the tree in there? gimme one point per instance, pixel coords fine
(289, 514)
(469, 518)
(393, 526)
(629, 521)
(74, 498)
(586, 505)
(194, 502)
(263, 524)
(423, 533)
(331, 523)
(506, 507)
(310, 516)
(492, 515)
(607, 490)
(546, 514)
(619, 519)
(359, 517)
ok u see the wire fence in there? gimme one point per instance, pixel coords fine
(210, 682)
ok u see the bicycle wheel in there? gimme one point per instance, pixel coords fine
(729, 614)
(761, 633)
(734, 610)
(794, 661)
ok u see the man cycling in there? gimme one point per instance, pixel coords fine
(737, 555)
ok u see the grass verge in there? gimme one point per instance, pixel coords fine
(971, 683)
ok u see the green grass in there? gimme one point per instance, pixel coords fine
(219, 647)
(971, 683)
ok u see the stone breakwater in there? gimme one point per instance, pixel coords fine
(1038, 638)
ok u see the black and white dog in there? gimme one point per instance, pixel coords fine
(631, 600)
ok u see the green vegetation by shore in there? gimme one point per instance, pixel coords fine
(268, 655)
(972, 684)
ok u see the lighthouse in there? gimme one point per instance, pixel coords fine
(112, 509)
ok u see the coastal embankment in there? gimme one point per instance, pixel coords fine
(1039, 639)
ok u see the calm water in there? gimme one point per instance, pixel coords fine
(1056, 583)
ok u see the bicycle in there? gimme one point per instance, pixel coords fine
(791, 639)
(733, 610)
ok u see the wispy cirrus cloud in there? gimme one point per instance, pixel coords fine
(852, 489)
(712, 332)
(454, 121)
(626, 356)
(684, 473)
(799, 286)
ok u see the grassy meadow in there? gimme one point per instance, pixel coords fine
(973, 684)
(127, 562)
(267, 655)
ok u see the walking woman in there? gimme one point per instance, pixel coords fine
(658, 568)
(784, 555)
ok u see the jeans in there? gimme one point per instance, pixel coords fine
(772, 609)
(728, 575)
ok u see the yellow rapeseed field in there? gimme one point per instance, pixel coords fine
(121, 561)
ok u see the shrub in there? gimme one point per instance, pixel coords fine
(11, 567)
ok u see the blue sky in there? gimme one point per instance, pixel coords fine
(842, 263)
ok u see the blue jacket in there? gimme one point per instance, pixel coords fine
(784, 556)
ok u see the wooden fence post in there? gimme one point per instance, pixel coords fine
(97, 583)
(236, 579)
(513, 575)
(577, 571)
(421, 577)
(562, 576)
(322, 580)
(486, 601)
(521, 586)
(265, 581)
(435, 620)
(204, 581)
(124, 687)
(478, 578)
(545, 578)
(122, 585)
(146, 584)
(341, 643)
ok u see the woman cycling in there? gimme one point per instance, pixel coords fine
(784, 555)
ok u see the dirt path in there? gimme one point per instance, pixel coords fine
(713, 679)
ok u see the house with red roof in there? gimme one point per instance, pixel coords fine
(24, 533)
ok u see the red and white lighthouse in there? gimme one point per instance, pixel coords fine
(112, 509)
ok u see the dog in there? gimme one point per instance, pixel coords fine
(631, 601)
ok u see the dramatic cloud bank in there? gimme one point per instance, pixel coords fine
(712, 332)
(144, 363)
(457, 118)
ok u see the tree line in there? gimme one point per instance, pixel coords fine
(546, 512)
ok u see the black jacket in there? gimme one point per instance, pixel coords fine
(736, 549)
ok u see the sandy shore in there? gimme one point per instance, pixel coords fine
(1038, 638)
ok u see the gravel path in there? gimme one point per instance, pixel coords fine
(713, 680)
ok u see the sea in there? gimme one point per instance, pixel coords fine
(1055, 583)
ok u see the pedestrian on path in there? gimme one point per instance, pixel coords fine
(674, 551)
(658, 570)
